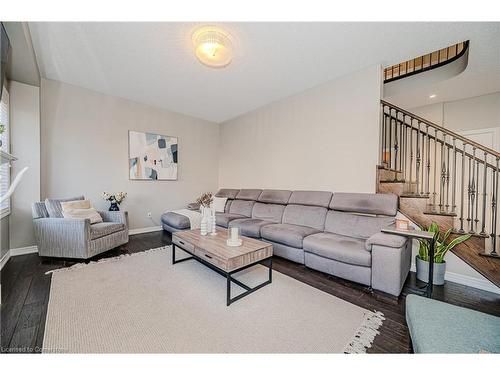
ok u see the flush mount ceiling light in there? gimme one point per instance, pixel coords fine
(213, 46)
(432, 96)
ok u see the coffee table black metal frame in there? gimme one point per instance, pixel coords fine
(229, 274)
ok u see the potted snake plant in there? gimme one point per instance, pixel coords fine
(440, 250)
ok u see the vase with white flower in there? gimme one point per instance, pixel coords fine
(205, 200)
(115, 199)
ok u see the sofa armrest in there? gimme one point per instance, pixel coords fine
(390, 264)
(193, 206)
(61, 236)
(386, 240)
(115, 217)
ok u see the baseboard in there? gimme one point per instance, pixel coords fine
(144, 230)
(4, 259)
(23, 250)
(473, 282)
(16, 252)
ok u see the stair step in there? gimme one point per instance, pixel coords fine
(413, 195)
(392, 181)
(489, 256)
(439, 213)
(478, 235)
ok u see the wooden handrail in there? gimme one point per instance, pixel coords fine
(446, 131)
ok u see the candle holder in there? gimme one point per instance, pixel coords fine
(234, 237)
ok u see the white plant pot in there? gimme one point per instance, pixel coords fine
(423, 271)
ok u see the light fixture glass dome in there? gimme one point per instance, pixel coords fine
(213, 46)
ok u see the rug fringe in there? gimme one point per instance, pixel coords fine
(368, 330)
(105, 260)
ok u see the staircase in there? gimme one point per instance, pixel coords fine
(444, 177)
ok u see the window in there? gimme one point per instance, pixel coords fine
(5, 167)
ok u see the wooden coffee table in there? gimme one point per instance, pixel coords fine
(213, 252)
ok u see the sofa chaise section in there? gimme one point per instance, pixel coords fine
(174, 222)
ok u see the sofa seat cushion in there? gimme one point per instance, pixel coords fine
(250, 227)
(99, 230)
(438, 327)
(222, 218)
(175, 220)
(287, 234)
(340, 248)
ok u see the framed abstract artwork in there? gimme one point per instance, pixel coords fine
(152, 156)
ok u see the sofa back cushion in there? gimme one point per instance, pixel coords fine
(39, 210)
(355, 225)
(269, 212)
(311, 198)
(275, 196)
(54, 205)
(249, 194)
(308, 216)
(241, 207)
(227, 193)
(375, 204)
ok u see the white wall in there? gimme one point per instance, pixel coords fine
(25, 145)
(84, 137)
(479, 112)
(325, 138)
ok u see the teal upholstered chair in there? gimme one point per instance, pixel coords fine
(438, 327)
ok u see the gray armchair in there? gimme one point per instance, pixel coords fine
(77, 238)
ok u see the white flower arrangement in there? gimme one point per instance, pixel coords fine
(114, 198)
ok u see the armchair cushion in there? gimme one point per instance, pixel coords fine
(115, 217)
(340, 248)
(99, 230)
(54, 205)
(385, 239)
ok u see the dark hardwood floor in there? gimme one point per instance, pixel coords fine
(25, 292)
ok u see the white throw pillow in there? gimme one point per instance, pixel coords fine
(75, 204)
(219, 204)
(80, 210)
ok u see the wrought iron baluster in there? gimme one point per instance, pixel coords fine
(390, 138)
(411, 156)
(427, 192)
(405, 146)
(469, 195)
(476, 215)
(462, 191)
(470, 216)
(485, 182)
(382, 145)
(417, 166)
(435, 169)
(494, 208)
(447, 191)
(396, 145)
(454, 180)
(443, 176)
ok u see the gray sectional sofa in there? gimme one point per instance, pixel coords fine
(335, 233)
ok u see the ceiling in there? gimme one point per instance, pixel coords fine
(154, 63)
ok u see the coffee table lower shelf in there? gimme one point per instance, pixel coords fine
(228, 274)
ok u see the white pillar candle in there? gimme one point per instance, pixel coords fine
(234, 235)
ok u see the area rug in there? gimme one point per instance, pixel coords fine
(141, 303)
